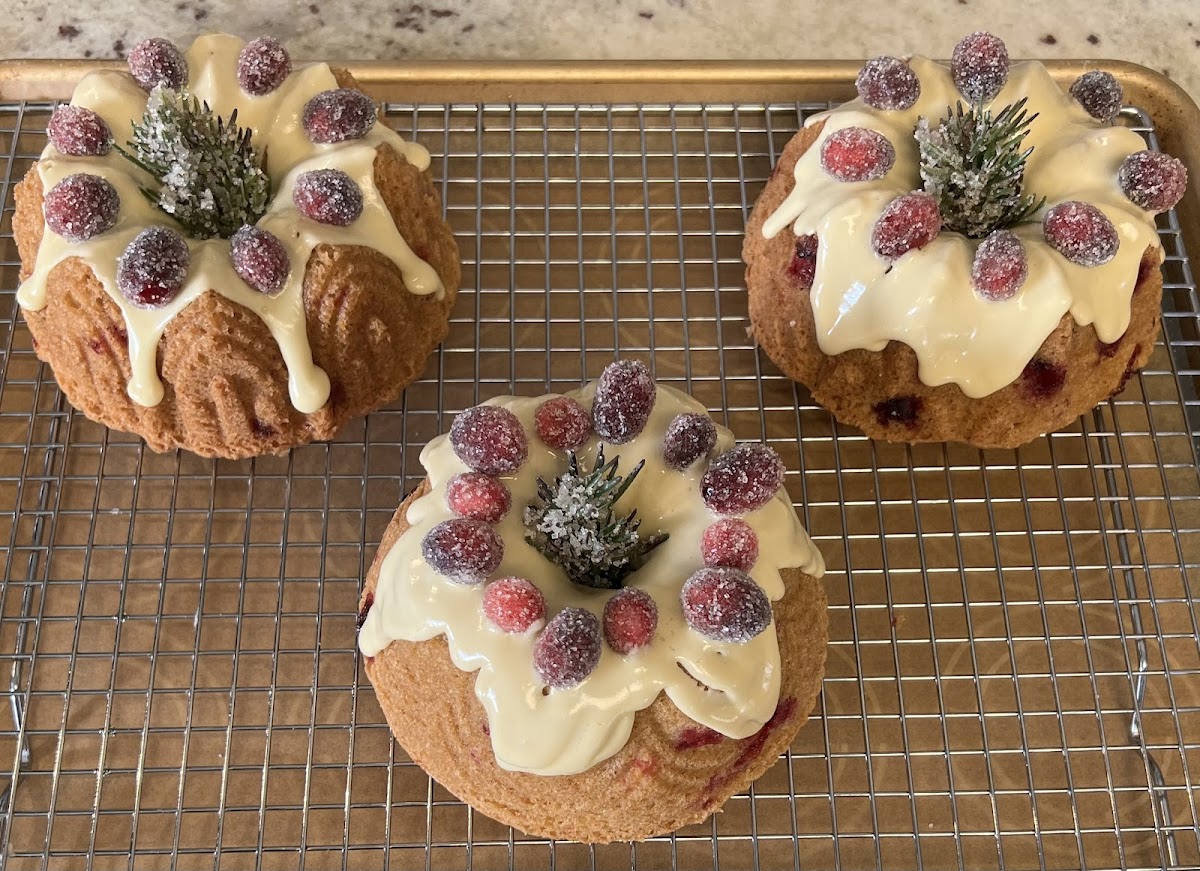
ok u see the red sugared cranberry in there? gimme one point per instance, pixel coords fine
(803, 265)
(1042, 378)
(888, 83)
(464, 551)
(328, 196)
(909, 222)
(157, 62)
(153, 268)
(1152, 180)
(904, 410)
(489, 439)
(1000, 266)
(725, 604)
(78, 132)
(568, 650)
(980, 66)
(731, 543)
(624, 399)
(857, 154)
(742, 479)
(81, 206)
(260, 259)
(478, 496)
(338, 115)
(562, 423)
(1100, 94)
(514, 605)
(689, 437)
(262, 66)
(1081, 233)
(630, 618)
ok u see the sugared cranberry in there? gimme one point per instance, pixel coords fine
(857, 154)
(328, 196)
(742, 479)
(568, 650)
(78, 132)
(624, 399)
(262, 66)
(489, 439)
(1152, 180)
(888, 83)
(1100, 94)
(1001, 266)
(1081, 233)
(464, 551)
(904, 410)
(731, 543)
(514, 605)
(1043, 379)
(725, 604)
(478, 496)
(260, 259)
(81, 206)
(689, 437)
(157, 62)
(153, 268)
(562, 423)
(980, 66)
(909, 222)
(803, 265)
(338, 115)
(630, 618)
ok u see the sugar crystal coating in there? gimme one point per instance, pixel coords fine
(328, 196)
(489, 439)
(514, 604)
(1081, 233)
(562, 423)
(260, 259)
(1099, 93)
(78, 132)
(909, 222)
(568, 649)
(725, 604)
(1001, 266)
(262, 66)
(158, 62)
(338, 115)
(803, 266)
(478, 496)
(153, 268)
(1152, 180)
(81, 206)
(689, 437)
(742, 479)
(980, 66)
(463, 550)
(888, 83)
(630, 620)
(624, 399)
(730, 542)
(857, 154)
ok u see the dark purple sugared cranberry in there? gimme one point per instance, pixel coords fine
(328, 196)
(338, 115)
(153, 268)
(464, 551)
(904, 410)
(158, 62)
(1099, 93)
(568, 650)
(630, 620)
(725, 604)
(1043, 379)
(562, 423)
(742, 479)
(909, 222)
(478, 496)
(689, 437)
(624, 399)
(78, 132)
(1152, 180)
(980, 66)
(489, 439)
(514, 604)
(260, 259)
(888, 83)
(857, 154)
(1001, 266)
(262, 66)
(1081, 233)
(803, 266)
(730, 543)
(81, 206)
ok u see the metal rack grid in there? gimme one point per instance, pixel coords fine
(1038, 715)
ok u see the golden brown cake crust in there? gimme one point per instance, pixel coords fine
(671, 773)
(874, 391)
(225, 380)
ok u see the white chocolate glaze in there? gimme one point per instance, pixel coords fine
(570, 730)
(278, 134)
(925, 299)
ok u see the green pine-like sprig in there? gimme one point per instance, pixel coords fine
(211, 179)
(575, 524)
(973, 164)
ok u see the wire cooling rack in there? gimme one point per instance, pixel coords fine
(1014, 672)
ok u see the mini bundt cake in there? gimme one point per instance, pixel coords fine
(596, 618)
(225, 254)
(963, 253)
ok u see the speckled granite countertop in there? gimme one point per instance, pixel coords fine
(1162, 34)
